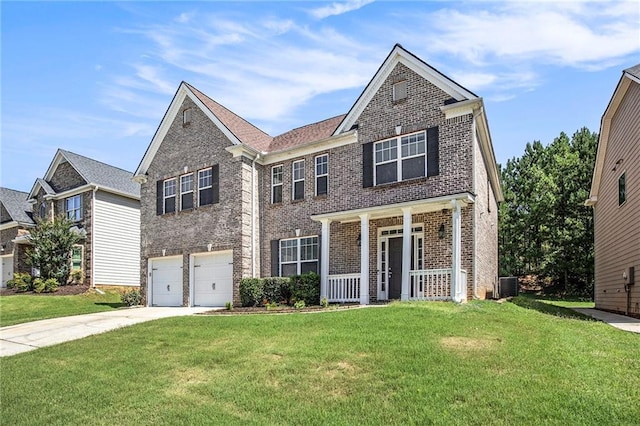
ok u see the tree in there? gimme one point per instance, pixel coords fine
(545, 229)
(52, 242)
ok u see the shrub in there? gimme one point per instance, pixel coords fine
(21, 282)
(272, 305)
(251, 291)
(131, 297)
(306, 287)
(76, 277)
(41, 285)
(228, 306)
(300, 304)
(324, 302)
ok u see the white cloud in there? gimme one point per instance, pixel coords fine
(338, 8)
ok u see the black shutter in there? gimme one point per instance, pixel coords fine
(159, 197)
(367, 165)
(215, 183)
(275, 258)
(433, 154)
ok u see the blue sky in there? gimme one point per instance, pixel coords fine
(95, 78)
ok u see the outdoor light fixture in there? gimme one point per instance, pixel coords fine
(209, 246)
(164, 252)
(359, 240)
(441, 231)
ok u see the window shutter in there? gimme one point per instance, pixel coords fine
(367, 165)
(433, 154)
(215, 183)
(159, 197)
(275, 258)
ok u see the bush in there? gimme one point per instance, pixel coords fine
(251, 291)
(131, 297)
(76, 277)
(228, 306)
(324, 302)
(21, 282)
(41, 285)
(306, 287)
(260, 291)
(300, 304)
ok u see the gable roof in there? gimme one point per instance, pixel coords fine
(629, 76)
(97, 173)
(401, 55)
(17, 205)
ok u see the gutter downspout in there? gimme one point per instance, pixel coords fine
(253, 217)
(475, 206)
(93, 237)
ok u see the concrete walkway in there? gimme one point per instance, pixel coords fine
(618, 321)
(19, 338)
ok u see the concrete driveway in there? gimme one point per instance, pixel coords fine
(19, 338)
(618, 321)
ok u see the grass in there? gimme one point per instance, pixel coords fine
(410, 363)
(24, 308)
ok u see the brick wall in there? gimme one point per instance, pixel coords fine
(65, 178)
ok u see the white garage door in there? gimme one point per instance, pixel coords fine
(166, 281)
(7, 270)
(213, 279)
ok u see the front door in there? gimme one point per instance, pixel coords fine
(395, 267)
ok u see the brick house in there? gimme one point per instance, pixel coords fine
(397, 199)
(104, 203)
(615, 198)
(15, 221)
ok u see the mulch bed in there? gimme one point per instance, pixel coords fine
(64, 290)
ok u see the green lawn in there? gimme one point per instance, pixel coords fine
(410, 363)
(24, 307)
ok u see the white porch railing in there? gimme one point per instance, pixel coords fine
(343, 288)
(430, 284)
(461, 290)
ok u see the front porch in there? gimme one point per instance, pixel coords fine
(408, 255)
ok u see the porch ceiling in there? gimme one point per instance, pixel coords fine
(426, 205)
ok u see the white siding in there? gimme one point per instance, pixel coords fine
(116, 238)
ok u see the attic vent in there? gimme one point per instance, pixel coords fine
(400, 90)
(186, 117)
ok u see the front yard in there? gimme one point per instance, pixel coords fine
(21, 308)
(409, 363)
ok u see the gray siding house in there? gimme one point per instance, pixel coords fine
(396, 199)
(615, 197)
(104, 203)
(15, 221)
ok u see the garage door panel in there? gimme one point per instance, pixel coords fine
(166, 278)
(213, 279)
(6, 270)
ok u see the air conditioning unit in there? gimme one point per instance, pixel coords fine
(508, 287)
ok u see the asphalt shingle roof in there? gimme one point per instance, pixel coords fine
(635, 71)
(16, 204)
(101, 174)
(306, 134)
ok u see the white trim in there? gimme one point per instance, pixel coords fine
(384, 295)
(314, 147)
(79, 216)
(164, 194)
(315, 170)
(294, 180)
(461, 108)
(400, 55)
(13, 223)
(324, 256)
(202, 188)
(406, 252)
(184, 176)
(364, 258)
(281, 184)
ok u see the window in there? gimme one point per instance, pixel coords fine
(205, 187)
(622, 189)
(298, 256)
(76, 258)
(409, 163)
(322, 174)
(400, 90)
(73, 207)
(169, 195)
(186, 117)
(43, 210)
(276, 184)
(186, 192)
(298, 180)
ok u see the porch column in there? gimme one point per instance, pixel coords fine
(324, 258)
(406, 252)
(364, 259)
(456, 263)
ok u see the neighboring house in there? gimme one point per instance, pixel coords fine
(15, 220)
(615, 197)
(397, 199)
(104, 204)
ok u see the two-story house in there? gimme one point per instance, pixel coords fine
(615, 197)
(15, 221)
(104, 203)
(396, 199)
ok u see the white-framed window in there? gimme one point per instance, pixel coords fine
(73, 207)
(400, 90)
(169, 195)
(186, 192)
(276, 184)
(622, 189)
(205, 187)
(298, 180)
(400, 158)
(186, 117)
(298, 256)
(43, 210)
(322, 174)
(77, 258)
